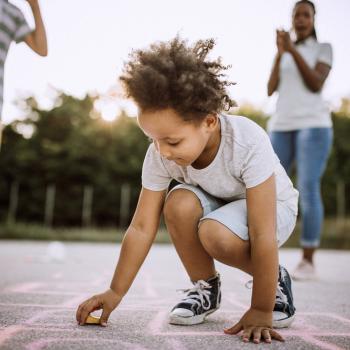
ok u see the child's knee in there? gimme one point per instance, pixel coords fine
(220, 242)
(182, 206)
(212, 242)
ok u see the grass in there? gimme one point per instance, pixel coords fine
(335, 234)
(22, 231)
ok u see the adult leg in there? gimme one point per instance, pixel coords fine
(283, 143)
(312, 150)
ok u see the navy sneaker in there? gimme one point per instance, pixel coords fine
(200, 301)
(284, 310)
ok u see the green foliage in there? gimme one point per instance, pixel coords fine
(252, 113)
(72, 146)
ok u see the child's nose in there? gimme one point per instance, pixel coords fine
(164, 151)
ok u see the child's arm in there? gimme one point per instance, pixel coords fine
(135, 246)
(37, 39)
(261, 206)
(138, 239)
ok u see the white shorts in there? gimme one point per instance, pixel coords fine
(233, 215)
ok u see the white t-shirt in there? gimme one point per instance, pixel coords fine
(297, 106)
(245, 159)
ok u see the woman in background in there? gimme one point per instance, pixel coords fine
(301, 127)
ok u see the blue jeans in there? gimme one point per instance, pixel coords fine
(309, 148)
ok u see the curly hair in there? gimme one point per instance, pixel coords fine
(175, 75)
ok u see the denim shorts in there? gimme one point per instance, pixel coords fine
(233, 215)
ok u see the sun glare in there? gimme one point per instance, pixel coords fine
(108, 110)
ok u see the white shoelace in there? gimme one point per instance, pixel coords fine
(201, 294)
(279, 294)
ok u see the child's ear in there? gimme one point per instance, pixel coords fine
(211, 121)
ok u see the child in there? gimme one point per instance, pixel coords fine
(15, 28)
(235, 202)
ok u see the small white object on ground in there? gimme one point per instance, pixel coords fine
(56, 251)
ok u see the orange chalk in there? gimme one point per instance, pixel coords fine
(92, 320)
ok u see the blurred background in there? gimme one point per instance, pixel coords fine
(72, 153)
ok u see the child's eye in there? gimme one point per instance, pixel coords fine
(173, 143)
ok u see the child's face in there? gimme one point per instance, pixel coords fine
(175, 139)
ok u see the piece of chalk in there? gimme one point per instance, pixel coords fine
(92, 320)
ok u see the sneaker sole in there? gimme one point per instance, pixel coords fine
(304, 278)
(284, 323)
(189, 321)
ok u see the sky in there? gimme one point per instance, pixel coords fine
(90, 40)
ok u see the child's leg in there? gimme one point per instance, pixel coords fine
(225, 246)
(182, 212)
(224, 233)
(232, 250)
(183, 209)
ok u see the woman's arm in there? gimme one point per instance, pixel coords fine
(274, 76)
(37, 39)
(138, 239)
(313, 78)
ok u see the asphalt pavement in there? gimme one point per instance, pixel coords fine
(41, 285)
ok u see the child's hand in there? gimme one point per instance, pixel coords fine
(106, 301)
(257, 325)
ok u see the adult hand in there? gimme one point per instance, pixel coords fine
(287, 42)
(106, 301)
(257, 325)
(280, 42)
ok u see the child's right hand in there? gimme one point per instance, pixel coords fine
(106, 301)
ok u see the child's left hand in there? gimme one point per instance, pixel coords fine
(255, 324)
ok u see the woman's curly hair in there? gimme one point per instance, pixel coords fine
(175, 75)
